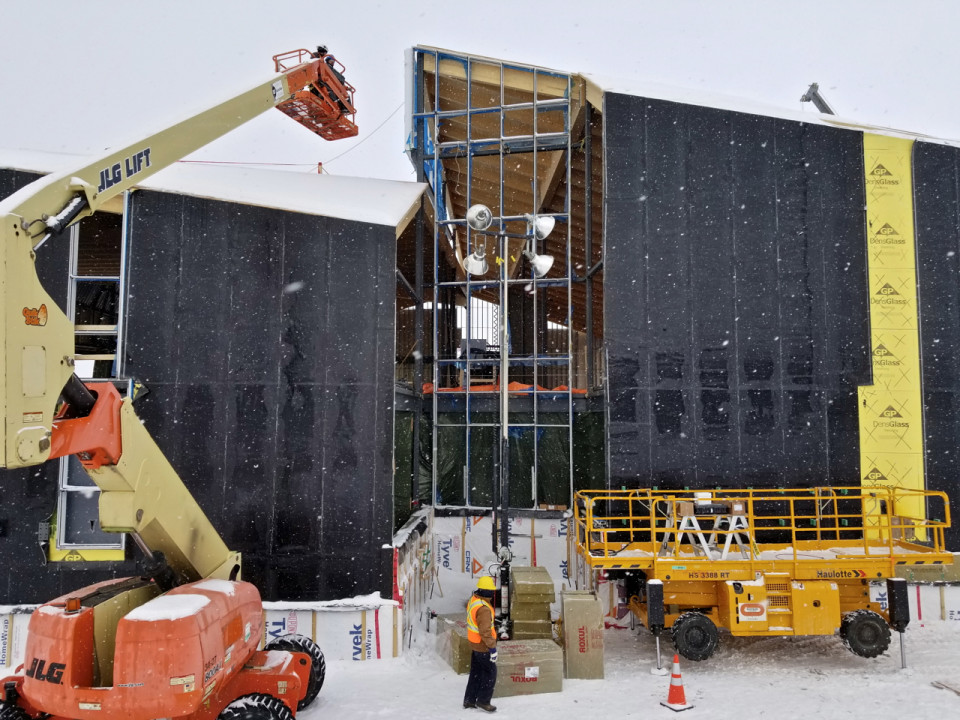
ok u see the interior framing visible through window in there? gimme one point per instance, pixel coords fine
(95, 304)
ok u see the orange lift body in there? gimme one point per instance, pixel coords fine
(185, 653)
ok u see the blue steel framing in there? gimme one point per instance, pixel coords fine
(429, 152)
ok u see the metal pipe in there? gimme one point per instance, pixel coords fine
(504, 393)
(409, 288)
(417, 366)
(588, 237)
(418, 154)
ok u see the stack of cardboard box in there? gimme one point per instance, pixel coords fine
(528, 667)
(452, 643)
(531, 593)
(582, 616)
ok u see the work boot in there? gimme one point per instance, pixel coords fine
(468, 705)
(487, 707)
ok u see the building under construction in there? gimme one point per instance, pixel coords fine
(658, 291)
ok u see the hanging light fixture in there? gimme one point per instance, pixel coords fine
(541, 264)
(476, 262)
(538, 228)
(479, 218)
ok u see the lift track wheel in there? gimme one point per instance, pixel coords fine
(695, 636)
(318, 666)
(865, 633)
(256, 707)
(12, 712)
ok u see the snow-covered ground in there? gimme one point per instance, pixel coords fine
(747, 678)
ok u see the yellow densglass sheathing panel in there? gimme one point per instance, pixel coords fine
(79, 554)
(891, 421)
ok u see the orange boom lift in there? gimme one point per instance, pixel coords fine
(181, 641)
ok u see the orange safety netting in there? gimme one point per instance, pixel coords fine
(515, 388)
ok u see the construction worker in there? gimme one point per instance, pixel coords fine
(323, 54)
(483, 640)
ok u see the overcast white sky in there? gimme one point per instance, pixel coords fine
(79, 77)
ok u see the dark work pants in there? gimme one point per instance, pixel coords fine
(483, 676)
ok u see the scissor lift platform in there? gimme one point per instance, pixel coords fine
(816, 533)
(802, 561)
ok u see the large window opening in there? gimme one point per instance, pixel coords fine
(95, 303)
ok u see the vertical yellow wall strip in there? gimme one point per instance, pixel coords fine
(396, 624)
(363, 635)
(891, 427)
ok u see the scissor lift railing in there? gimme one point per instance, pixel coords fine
(825, 532)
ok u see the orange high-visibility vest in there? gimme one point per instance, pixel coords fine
(473, 630)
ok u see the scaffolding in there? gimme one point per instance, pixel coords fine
(497, 133)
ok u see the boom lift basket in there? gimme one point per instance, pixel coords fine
(324, 101)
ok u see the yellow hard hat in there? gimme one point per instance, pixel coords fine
(486, 583)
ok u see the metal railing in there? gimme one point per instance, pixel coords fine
(640, 528)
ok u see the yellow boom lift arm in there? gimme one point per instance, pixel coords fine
(47, 411)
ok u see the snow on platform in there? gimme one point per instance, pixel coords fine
(785, 553)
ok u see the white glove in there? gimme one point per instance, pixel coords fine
(493, 655)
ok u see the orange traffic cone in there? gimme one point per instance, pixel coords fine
(676, 699)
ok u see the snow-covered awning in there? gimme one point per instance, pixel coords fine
(368, 200)
(597, 85)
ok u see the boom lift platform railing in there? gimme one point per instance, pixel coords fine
(323, 105)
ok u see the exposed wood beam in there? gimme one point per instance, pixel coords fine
(488, 73)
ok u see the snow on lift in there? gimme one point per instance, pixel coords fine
(324, 101)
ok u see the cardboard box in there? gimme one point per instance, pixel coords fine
(528, 667)
(530, 629)
(530, 611)
(452, 643)
(686, 508)
(531, 584)
(582, 635)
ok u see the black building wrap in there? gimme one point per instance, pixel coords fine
(936, 177)
(266, 341)
(735, 308)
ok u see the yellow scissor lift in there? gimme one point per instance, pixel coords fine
(762, 562)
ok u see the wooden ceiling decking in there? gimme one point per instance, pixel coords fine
(496, 109)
